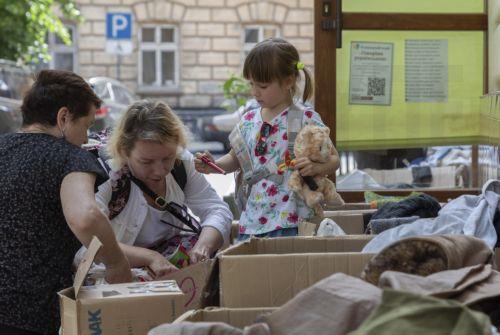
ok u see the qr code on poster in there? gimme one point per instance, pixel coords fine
(376, 86)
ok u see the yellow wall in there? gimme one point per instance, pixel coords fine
(402, 124)
(416, 6)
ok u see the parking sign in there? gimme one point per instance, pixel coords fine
(119, 33)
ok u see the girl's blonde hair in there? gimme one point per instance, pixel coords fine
(145, 120)
(276, 59)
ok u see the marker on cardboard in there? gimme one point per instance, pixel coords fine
(205, 160)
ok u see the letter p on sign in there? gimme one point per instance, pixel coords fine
(118, 26)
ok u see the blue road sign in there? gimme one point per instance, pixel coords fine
(118, 26)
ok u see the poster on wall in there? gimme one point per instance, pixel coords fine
(426, 70)
(370, 77)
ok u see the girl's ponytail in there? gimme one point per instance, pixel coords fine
(308, 86)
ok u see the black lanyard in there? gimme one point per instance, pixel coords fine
(178, 211)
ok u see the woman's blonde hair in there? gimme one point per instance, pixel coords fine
(145, 120)
(277, 59)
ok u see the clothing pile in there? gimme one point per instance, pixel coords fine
(472, 215)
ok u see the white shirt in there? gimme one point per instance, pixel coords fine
(138, 219)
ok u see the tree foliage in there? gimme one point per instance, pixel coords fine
(24, 25)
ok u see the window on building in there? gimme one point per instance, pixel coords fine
(254, 34)
(63, 57)
(159, 56)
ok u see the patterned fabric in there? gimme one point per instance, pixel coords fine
(36, 245)
(272, 206)
(179, 244)
(120, 185)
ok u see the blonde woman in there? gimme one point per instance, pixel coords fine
(147, 201)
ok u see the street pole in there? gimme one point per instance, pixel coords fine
(119, 61)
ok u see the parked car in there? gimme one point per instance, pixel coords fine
(218, 127)
(116, 98)
(15, 80)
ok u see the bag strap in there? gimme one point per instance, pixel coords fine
(240, 147)
(120, 186)
(182, 214)
(179, 173)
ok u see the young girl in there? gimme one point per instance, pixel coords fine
(273, 69)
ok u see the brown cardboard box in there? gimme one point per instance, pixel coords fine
(348, 206)
(236, 317)
(196, 282)
(350, 224)
(351, 221)
(269, 272)
(132, 308)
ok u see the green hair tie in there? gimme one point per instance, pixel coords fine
(300, 66)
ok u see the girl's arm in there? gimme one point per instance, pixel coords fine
(228, 162)
(328, 168)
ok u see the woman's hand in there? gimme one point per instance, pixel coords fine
(200, 252)
(159, 267)
(202, 167)
(118, 272)
(209, 242)
(306, 167)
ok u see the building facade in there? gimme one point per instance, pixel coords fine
(183, 50)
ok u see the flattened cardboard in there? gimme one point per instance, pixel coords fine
(130, 308)
(269, 272)
(196, 282)
(236, 317)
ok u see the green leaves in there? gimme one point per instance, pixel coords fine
(236, 91)
(24, 25)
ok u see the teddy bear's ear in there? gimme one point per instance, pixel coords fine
(327, 130)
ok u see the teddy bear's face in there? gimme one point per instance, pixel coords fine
(313, 142)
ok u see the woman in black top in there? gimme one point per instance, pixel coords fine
(47, 204)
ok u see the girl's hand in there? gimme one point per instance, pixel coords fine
(202, 167)
(200, 252)
(306, 167)
(159, 267)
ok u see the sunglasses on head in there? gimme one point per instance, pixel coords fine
(265, 131)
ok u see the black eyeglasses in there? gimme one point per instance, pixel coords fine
(182, 214)
(265, 131)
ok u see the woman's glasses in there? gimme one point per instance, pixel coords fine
(265, 131)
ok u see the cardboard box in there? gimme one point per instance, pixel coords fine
(351, 221)
(236, 317)
(348, 206)
(269, 272)
(199, 284)
(132, 308)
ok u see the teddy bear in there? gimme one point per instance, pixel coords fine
(314, 143)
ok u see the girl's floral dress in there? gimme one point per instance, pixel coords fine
(272, 206)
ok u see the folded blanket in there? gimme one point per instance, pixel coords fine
(425, 255)
(421, 205)
(376, 226)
